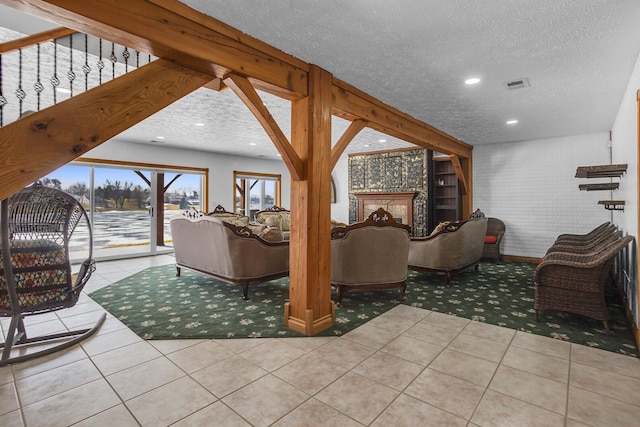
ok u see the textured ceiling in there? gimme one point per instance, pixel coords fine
(415, 55)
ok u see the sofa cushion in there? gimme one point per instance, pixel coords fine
(271, 234)
(272, 221)
(490, 239)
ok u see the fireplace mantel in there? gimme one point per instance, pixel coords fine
(398, 204)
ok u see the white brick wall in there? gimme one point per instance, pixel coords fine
(530, 185)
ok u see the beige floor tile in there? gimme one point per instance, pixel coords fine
(141, 378)
(541, 364)
(110, 324)
(545, 345)
(606, 360)
(406, 411)
(310, 373)
(358, 397)
(404, 311)
(469, 368)
(272, 354)
(389, 370)
(598, 410)
(265, 401)
(45, 363)
(540, 391)
(71, 406)
(448, 393)
(103, 342)
(605, 383)
(371, 337)
(391, 323)
(45, 328)
(497, 409)
(307, 343)
(229, 375)
(479, 347)
(8, 398)
(117, 416)
(169, 346)
(315, 413)
(80, 320)
(446, 321)
(170, 403)
(217, 413)
(574, 423)
(413, 350)
(343, 352)
(200, 356)
(87, 306)
(11, 419)
(489, 332)
(125, 357)
(54, 381)
(6, 375)
(432, 334)
(238, 345)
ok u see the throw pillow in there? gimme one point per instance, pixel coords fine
(285, 221)
(271, 234)
(440, 227)
(272, 221)
(490, 239)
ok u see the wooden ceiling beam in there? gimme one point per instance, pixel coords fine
(245, 91)
(40, 143)
(171, 30)
(336, 151)
(349, 102)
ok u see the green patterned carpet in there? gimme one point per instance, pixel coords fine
(156, 304)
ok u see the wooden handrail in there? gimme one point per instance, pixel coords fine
(31, 40)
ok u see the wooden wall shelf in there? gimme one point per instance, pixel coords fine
(612, 205)
(601, 171)
(598, 187)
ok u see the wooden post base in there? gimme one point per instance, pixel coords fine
(308, 326)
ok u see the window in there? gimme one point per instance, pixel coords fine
(254, 192)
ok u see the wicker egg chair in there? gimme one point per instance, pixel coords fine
(36, 225)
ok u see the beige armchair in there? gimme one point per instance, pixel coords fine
(370, 255)
(227, 252)
(457, 246)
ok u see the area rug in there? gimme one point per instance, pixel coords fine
(156, 304)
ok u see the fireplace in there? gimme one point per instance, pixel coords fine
(398, 204)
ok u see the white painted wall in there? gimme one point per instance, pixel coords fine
(625, 150)
(340, 174)
(531, 186)
(220, 166)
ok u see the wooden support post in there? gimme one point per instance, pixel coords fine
(160, 209)
(310, 309)
(467, 198)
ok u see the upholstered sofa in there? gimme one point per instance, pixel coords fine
(230, 253)
(280, 218)
(451, 249)
(370, 255)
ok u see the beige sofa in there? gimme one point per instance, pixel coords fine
(280, 218)
(230, 253)
(457, 246)
(370, 255)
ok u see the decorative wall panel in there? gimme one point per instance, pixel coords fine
(399, 171)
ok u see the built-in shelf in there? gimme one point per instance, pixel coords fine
(612, 205)
(598, 187)
(601, 171)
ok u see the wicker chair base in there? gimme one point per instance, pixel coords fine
(21, 341)
(561, 299)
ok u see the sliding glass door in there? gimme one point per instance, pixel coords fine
(130, 206)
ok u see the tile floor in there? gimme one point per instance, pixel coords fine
(408, 367)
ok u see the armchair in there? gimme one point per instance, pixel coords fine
(457, 246)
(493, 238)
(370, 255)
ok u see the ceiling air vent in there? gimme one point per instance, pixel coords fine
(517, 84)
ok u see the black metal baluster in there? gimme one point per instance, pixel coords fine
(37, 86)
(71, 75)
(86, 68)
(3, 100)
(55, 82)
(100, 62)
(20, 93)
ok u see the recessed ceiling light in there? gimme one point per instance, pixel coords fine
(252, 143)
(512, 122)
(472, 81)
(279, 155)
(63, 90)
(382, 140)
(198, 124)
(159, 137)
(367, 145)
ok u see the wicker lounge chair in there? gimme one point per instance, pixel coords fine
(493, 238)
(594, 234)
(575, 282)
(603, 240)
(35, 269)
